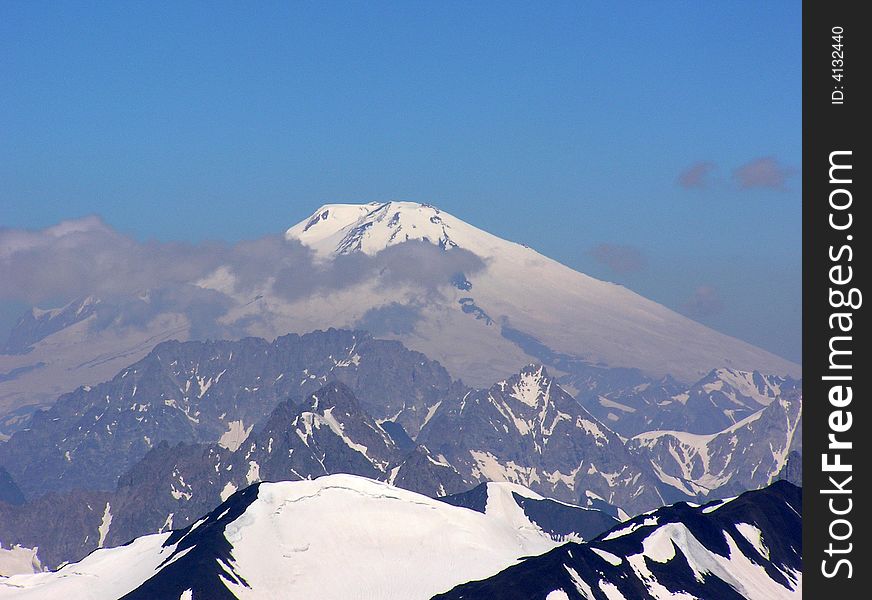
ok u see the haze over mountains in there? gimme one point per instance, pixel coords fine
(431, 360)
(480, 305)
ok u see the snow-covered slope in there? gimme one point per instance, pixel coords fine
(343, 536)
(748, 548)
(334, 537)
(524, 295)
(748, 455)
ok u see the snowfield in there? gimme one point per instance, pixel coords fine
(335, 537)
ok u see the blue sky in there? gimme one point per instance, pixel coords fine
(653, 144)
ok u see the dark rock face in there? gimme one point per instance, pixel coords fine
(9, 492)
(792, 471)
(561, 521)
(203, 550)
(422, 473)
(762, 529)
(528, 430)
(197, 392)
(328, 433)
(474, 499)
(64, 526)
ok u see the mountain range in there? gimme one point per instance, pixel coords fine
(449, 405)
(175, 434)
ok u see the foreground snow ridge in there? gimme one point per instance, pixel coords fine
(344, 536)
(748, 547)
(335, 537)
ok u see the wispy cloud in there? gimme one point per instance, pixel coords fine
(761, 173)
(696, 176)
(766, 172)
(86, 256)
(136, 281)
(704, 302)
(392, 318)
(619, 258)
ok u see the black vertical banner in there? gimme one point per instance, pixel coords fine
(837, 425)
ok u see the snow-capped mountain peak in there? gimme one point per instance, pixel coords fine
(532, 386)
(40, 323)
(336, 229)
(529, 431)
(511, 303)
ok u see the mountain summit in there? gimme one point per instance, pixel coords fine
(370, 228)
(520, 305)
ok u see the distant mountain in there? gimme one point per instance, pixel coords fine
(519, 298)
(480, 305)
(528, 430)
(626, 399)
(719, 400)
(722, 398)
(327, 433)
(746, 548)
(748, 455)
(37, 324)
(213, 392)
(334, 537)
(83, 343)
(330, 432)
(179, 431)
